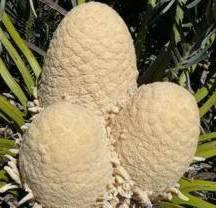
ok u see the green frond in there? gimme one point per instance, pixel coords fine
(208, 104)
(5, 146)
(207, 150)
(12, 84)
(207, 137)
(188, 187)
(12, 112)
(22, 46)
(193, 201)
(24, 71)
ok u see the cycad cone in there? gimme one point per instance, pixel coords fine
(91, 58)
(157, 134)
(65, 157)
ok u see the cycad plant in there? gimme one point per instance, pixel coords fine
(175, 40)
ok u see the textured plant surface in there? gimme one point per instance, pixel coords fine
(64, 157)
(91, 58)
(154, 132)
(175, 41)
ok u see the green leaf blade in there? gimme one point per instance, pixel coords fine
(12, 84)
(11, 111)
(22, 45)
(18, 61)
(206, 150)
(208, 104)
(193, 201)
(207, 137)
(7, 143)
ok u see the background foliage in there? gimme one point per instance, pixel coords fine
(174, 40)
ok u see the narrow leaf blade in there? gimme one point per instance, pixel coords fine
(208, 104)
(21, 44)
(18, 61)
(206, 150)
(12, 84)
(11, 111)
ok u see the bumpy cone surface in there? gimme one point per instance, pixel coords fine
(65, 158)
(157, 135)
(91, 58)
